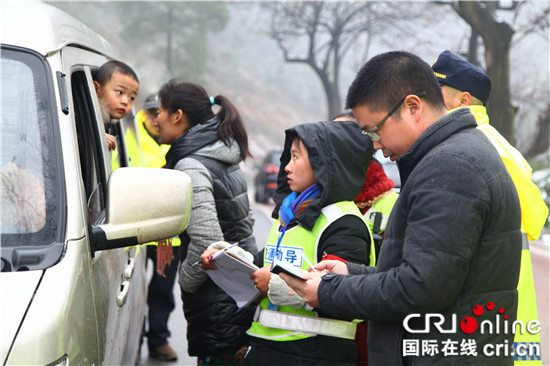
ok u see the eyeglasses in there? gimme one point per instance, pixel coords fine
(372, 134)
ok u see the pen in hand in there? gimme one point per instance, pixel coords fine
(199, 262)
(208, 255)
(206, 263)
(309, 263)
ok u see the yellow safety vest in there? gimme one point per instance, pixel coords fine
(154, 155)
(132, 145)
(534, 211)
(533, 216)
(383, 205)
(286, 323)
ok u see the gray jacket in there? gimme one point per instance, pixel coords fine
(207, 214)
(452, 242)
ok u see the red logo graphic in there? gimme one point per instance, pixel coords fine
(469, 324)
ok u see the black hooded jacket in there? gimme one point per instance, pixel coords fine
(339, 155)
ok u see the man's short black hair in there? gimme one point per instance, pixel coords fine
(386, 78)
(346, 114)
(105, 72)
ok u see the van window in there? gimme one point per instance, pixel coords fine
(91, 158)
(31, 188)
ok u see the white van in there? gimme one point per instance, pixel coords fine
(73, 280)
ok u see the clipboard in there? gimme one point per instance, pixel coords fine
(232, 274)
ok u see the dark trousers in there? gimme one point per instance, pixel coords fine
(160, 298)
(265, 356)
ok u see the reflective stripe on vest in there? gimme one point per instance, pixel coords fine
(307, 324)
(298, 242)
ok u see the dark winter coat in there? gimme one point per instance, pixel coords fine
(220, 211)
(452, 242)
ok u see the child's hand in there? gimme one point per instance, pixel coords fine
(261, 278)
(111, 141)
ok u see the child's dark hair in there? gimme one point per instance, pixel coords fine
(193, 100)
(105, 72)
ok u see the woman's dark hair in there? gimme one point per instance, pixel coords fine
(105, 72)
(193, 100)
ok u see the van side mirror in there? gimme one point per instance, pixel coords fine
(143, 205)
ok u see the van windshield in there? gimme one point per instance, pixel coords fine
(30, 183)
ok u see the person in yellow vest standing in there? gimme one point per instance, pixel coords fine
(160, 298)
(466, 86)
(323, 167)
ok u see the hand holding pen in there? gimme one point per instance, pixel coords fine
(206, 261)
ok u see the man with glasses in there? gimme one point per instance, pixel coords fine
(451, 253)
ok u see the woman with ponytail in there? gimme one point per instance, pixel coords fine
(208, 147)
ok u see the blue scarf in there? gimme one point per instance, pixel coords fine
(287, 212)
(290, 206)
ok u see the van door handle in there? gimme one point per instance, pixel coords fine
(129, 269)
(123, 294)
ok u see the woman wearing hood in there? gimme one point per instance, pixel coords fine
(208, 147)
(323, 168)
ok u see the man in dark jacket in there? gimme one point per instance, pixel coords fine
(444, 291)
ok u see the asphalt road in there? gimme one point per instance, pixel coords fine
(540, 256)
(177, 323)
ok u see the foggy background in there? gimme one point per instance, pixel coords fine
(229, 48)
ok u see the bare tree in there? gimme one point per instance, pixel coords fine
(176, 30)
(498, 37)
(542, 136)
(170, 33)
(326, 31)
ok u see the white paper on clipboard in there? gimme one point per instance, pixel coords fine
(232, 274)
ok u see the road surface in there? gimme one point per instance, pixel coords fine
(177, 323)
(541, 269)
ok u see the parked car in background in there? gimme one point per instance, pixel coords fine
(73, 284)
(265, 182)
